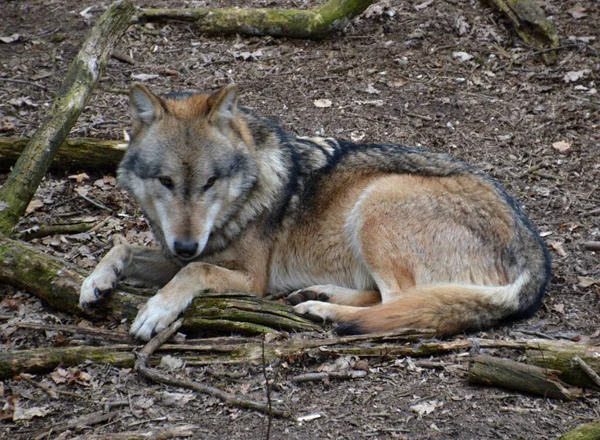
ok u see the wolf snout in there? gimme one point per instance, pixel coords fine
(185, 248)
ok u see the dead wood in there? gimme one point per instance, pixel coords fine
(587, 431)
(57, 282)
(141, 366)
(73, 154)
(319, 22)
(71, 99)
(77, 423)
(531, 24)
(592, 245)
(320, 376)
(488, 370)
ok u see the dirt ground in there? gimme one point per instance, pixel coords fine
(447, 75)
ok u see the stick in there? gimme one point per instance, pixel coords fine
(72, 98)
(592, 245)
(342, 375)
(46, 230)
(487, 370)
(157, 376)
(588, 370)
(319, 22)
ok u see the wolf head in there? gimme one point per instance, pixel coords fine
(189, 165)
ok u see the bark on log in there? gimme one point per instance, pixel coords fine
(74, 154)
(58, 283)
(208, 351)
(531, 25)
(587, 431)
(319, 22)
(488, 370)
(72, 97)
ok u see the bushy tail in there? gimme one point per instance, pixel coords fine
(450, 308)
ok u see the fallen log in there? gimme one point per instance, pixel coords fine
(587, 431)
(531, 24)
(75, 91)
(57, 282)
(74, 154)
(504, 373)
(319, 22)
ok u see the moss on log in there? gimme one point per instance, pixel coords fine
(74, 154)
(531, 24)
(74, 93)
(488, 370)
(587, 431)
(57, 282)
(319, 22)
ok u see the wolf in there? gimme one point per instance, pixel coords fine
(373, 236)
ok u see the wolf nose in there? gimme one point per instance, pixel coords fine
(186, 249)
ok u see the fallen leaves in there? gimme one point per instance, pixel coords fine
(561, 146)
(575, 75)
(322, 103)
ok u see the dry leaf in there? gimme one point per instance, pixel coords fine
(11, 39)
(560, 308)
(34, 205)
(562, 146)
(463, 56)
(79, 177)
(426, 407)
(587, 281)
(558, 247)
(397, 83)
(423, 5)
(577, 12)
(30, 413)
(575, 75)
(322, 103)
(144, 76)
(372, 90)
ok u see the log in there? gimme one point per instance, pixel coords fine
(587, 431)
(488, 370)
(319, 22)
(74, 154)
(74, 93)
(532, 26)
(57, 282)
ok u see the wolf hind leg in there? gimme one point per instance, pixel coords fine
(335, 295)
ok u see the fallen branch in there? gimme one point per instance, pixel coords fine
(61, 229)
(341, 375)
(319, 22)
(587, 431)
(74, 93)
(76, 423)
(183, 431)
(531, 25)
(488, 370)
(592, 245)
(141, 366)
(73, 154)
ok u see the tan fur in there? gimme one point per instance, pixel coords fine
(389, 236)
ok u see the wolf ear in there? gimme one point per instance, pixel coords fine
(223, 104)
(145, 106)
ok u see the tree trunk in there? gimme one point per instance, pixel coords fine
(72, 97)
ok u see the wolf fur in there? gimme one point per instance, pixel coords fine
(374, 236)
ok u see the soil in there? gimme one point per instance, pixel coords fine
(393, 76)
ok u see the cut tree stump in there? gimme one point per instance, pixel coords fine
(74, 93)
(319, 22)
(76, 154)
(488, 370)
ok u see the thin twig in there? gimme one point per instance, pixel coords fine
(93, 202)
(592, 245)
(342, 375)
(20, 81)
(155, 375)
(267, 390)
(587, 370)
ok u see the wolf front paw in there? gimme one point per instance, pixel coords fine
(315, 310)
(98, 285)
(154, 317)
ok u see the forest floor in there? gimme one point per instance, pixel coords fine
(447, 75)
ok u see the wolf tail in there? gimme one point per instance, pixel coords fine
(451, 308)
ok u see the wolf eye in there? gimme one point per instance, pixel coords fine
(210, 182)
(167, 182)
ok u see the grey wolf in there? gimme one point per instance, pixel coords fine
(373, 236)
